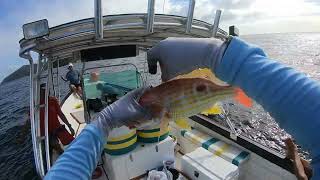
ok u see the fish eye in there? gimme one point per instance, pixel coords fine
(201, 88)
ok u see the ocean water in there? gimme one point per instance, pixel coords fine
(298, 50)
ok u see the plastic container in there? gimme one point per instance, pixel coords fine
(203, 165)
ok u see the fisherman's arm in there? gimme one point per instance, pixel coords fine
(64, 78)
(289, 96)
(81, 157)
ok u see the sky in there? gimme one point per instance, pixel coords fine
(250, 16)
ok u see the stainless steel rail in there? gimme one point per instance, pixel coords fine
(46, 119)
(122, 29)
(58, 78)
(150, 17)
(98, 20)
(37, 113)
(25, 53)
(190, 16)
(215, 27)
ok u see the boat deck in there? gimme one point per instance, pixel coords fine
(255, 167)
(73, 109)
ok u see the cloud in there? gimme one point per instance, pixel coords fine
(205, 9)
(234, 4)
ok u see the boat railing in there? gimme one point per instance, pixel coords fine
(144, 28)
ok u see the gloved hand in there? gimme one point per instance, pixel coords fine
(178, 56)
(125, 111)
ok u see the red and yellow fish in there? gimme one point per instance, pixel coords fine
(182, 98)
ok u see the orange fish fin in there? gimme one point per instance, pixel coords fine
(242, 98)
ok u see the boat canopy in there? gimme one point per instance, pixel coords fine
(66, 41)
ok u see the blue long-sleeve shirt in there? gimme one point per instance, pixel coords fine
(289, 96)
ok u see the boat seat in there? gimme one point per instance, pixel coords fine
(226, 151)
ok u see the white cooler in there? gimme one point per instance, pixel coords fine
(137, 162)
(203, 165)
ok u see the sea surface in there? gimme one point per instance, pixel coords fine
(298, 50)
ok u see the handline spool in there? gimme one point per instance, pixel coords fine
(152, 134)
(121, 141)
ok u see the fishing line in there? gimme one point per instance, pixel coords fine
(164, 2)
(145, 70)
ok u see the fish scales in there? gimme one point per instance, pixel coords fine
(183, 98)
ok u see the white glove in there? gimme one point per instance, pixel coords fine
(178, 56)
(125, 111)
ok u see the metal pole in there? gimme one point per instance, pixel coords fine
(52, 78)
(46, 122)
(58, 65)
(86, 114)
(150, 17)
(25, 53)
(37, 113)
(215, 27)
(32, 121)
(233, 133)
(98, 20)
(190, 15)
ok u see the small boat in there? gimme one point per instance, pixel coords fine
(114, 46)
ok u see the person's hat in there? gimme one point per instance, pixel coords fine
(70, 65)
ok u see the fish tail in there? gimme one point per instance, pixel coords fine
(242, 98)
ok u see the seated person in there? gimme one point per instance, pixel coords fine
(56, 130)
(94, 77)
(73, 76)
(109, 92)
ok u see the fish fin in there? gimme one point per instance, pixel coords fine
(167, 114)
(242, 98)
(162, 114)
(215, 109)
(156, 109)
(164, 125)
(183, 124)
